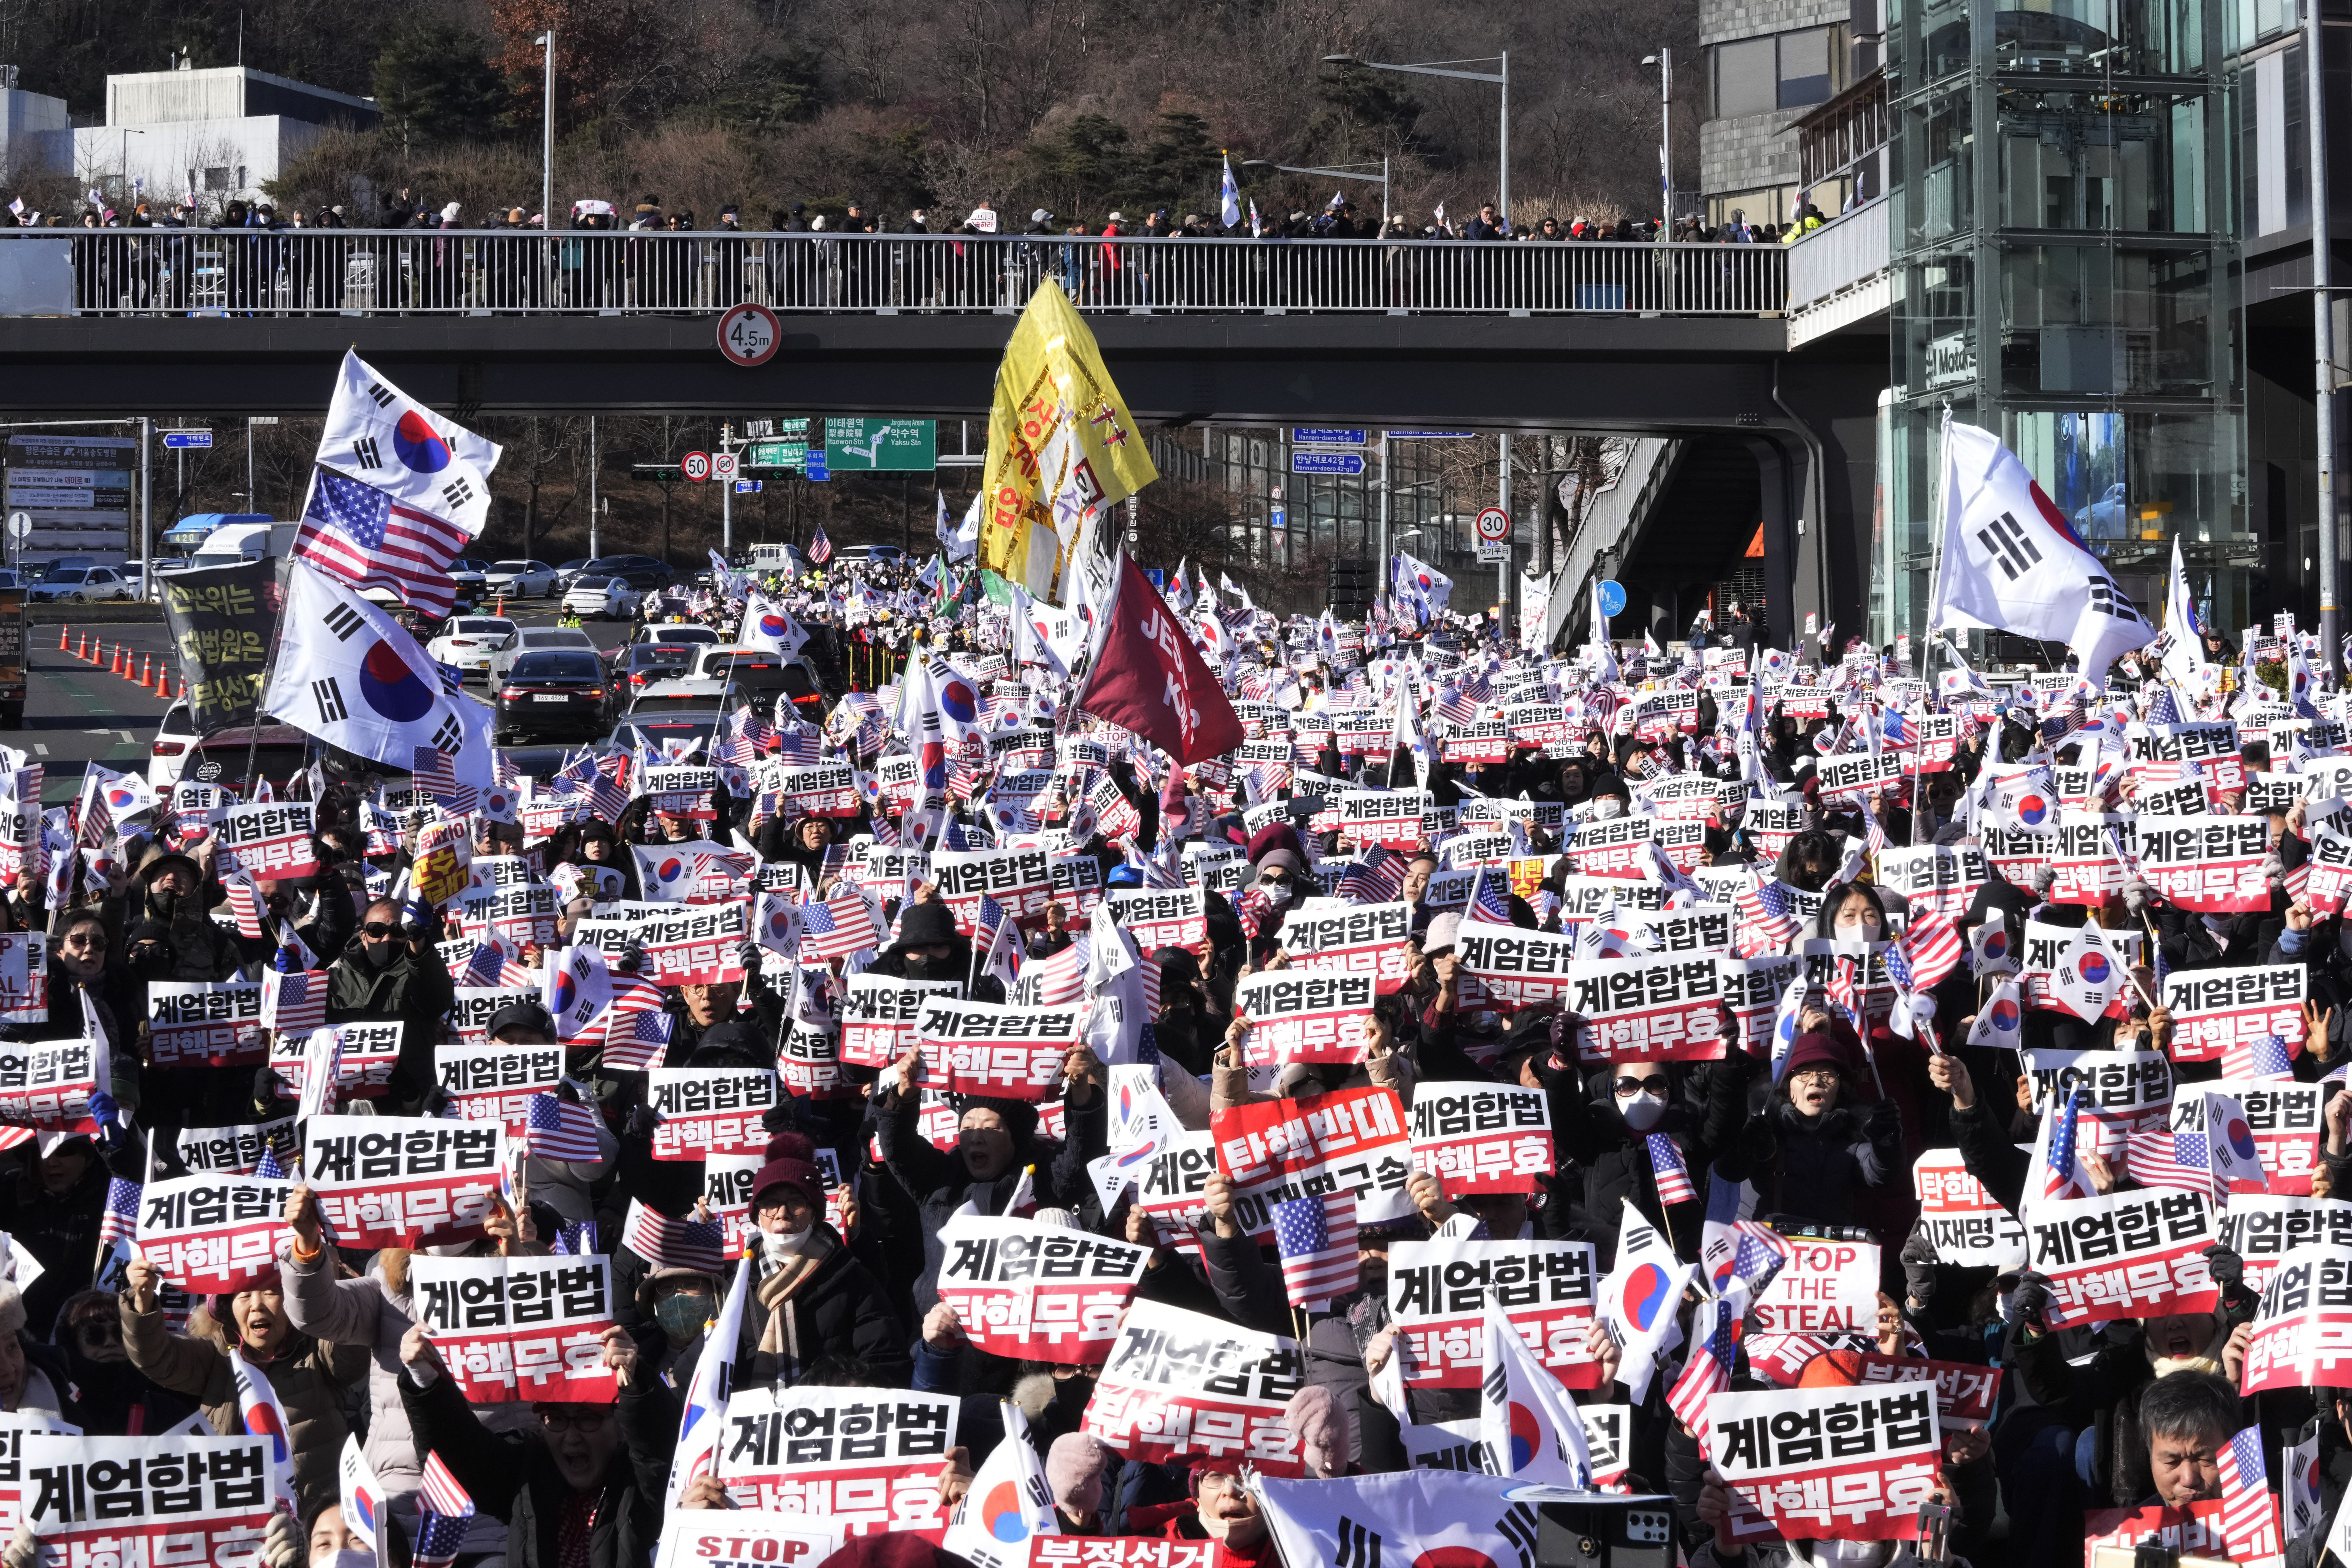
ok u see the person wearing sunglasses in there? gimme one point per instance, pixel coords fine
(391, 972)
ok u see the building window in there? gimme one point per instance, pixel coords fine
(216, 179)
(1786, 71)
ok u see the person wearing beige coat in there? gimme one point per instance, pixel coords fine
(309, 1376)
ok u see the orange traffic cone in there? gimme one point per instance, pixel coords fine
(116, 666)
(83, 651)
(499, 609)
(65, 635)
(147, 672)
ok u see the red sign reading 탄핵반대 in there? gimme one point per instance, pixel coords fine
(1038, 1292)
(147, 1502)
(213, 1235)
(986, 1048)
(1826, 1464)
(1438, 1292)
(710, 1111)
(1176, 1384)
(1482, 1137)
(402, 1180)
(2304, 1335)
(512, 1329)
(1354, 1139)
(869, 1459)
(2125, 1255)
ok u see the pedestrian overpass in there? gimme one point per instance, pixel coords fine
(1689, 343)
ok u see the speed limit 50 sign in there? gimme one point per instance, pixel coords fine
(747, 335)
(695, 466)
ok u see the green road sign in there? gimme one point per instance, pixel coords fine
(895, 444)
(791, 455)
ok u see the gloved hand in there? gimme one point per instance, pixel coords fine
(24, 1550)
(2226, 1267)
(2137, 894)
(2042, 878)
(1923, 1008)
(268, 1089)
(2030, 1299)
(281, 1541)
(1758, 1142)
(1883, 1121)
(1918, 1257)
(286, 962)
(418, 916)
(640, 1122)
(435, 1102)
(2273, 869)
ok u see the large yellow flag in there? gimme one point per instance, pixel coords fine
(1060, 444)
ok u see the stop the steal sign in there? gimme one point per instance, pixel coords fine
(1826, 1287)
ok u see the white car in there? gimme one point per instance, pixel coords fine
(79, 585)
(677, 632)
(537, 640)
(520, 579)
(175, 738)
(469, 643)
(611, 600)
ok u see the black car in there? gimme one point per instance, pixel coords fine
(640, 572)
(639, 665)
(559, 692)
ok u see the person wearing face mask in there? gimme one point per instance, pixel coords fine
(391, 972)
(172, 887)
(1611, 798)
(929, 947)
(679, 1304)
(810, 1297)
(311, 1377)
(580, 1486)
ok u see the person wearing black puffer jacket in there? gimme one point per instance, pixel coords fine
(813, 1300)
(1808, 1150)
(996, 1140)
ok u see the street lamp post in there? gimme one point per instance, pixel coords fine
(547, 139)
(1342, 171)
(1500, 76)
(1664, 60)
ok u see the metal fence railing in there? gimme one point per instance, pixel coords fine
(116, 272)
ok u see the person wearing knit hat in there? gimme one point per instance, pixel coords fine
(1823, 1136)
(813, 1300)
(1074, 1474)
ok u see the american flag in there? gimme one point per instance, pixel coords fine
(2249, 1526)
(631, 1040)
(1708, 1371)
(2163, 708)
(1250, 907)
(837, 927)
(1766, 920)
(1844, 992)
(1666, 1165)
(1377, 878)
(2058, 1169)
(484, 964)
(985, 924)
(798, 744)
(435, 773)
(444, 1514)
(2265, 1057)
(1490, 902)
(1317, 1236)
(244, 903)
(555, 1128)
(121, 1222)
(1456, 707)
(2163, 1158)
(293, 1003)
(820, 549)
(360, 536)
(1053, 981)
(1931, 946)
(667, 1243)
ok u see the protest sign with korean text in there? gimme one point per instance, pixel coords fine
(1616, 847)
(2213, 1009)
(1826, 1464)
(270, 841)
(1934, 877)
(497, 1082)
(519, 1329)
(402, 1180)
(865, 1460)
(1354, 1139)
(685, 944)
(2137, 1254)
(710, 1111)
(204, 1024)
(2303, 1337)
(1438, 1292)
(995, 1048)
(1303, 1016)
(2084, 857)
(147, 1502)
(1668, 1008)
(1038, 1292)
(2282, 1118)
(1021, 881)
(878, 1013)
(236, 1151)
(2263, 1227)
(213, 1234)
(1482, 1137)
(1163, 917)
(2210, 864)
(1964, 1222)
(680, 791)
(1372, 939)
(363, 1055)
(48, 1085)
(1176, 1384)
(1752, 988)
(1966, 1392)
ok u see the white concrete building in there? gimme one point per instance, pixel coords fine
(215, 133)
(35, 132)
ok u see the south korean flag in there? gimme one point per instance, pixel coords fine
(578, 989)
(377, 433)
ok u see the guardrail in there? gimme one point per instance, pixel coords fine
(134, 272)
(1849, 249)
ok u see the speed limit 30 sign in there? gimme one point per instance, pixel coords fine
(747, 335)
(1494, 525)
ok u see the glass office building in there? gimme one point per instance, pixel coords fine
(2066, 203)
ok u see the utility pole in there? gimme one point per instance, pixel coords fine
(592, 551)
(727, 496)
(2323, 308)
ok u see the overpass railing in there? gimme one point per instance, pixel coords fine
(130, 272)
